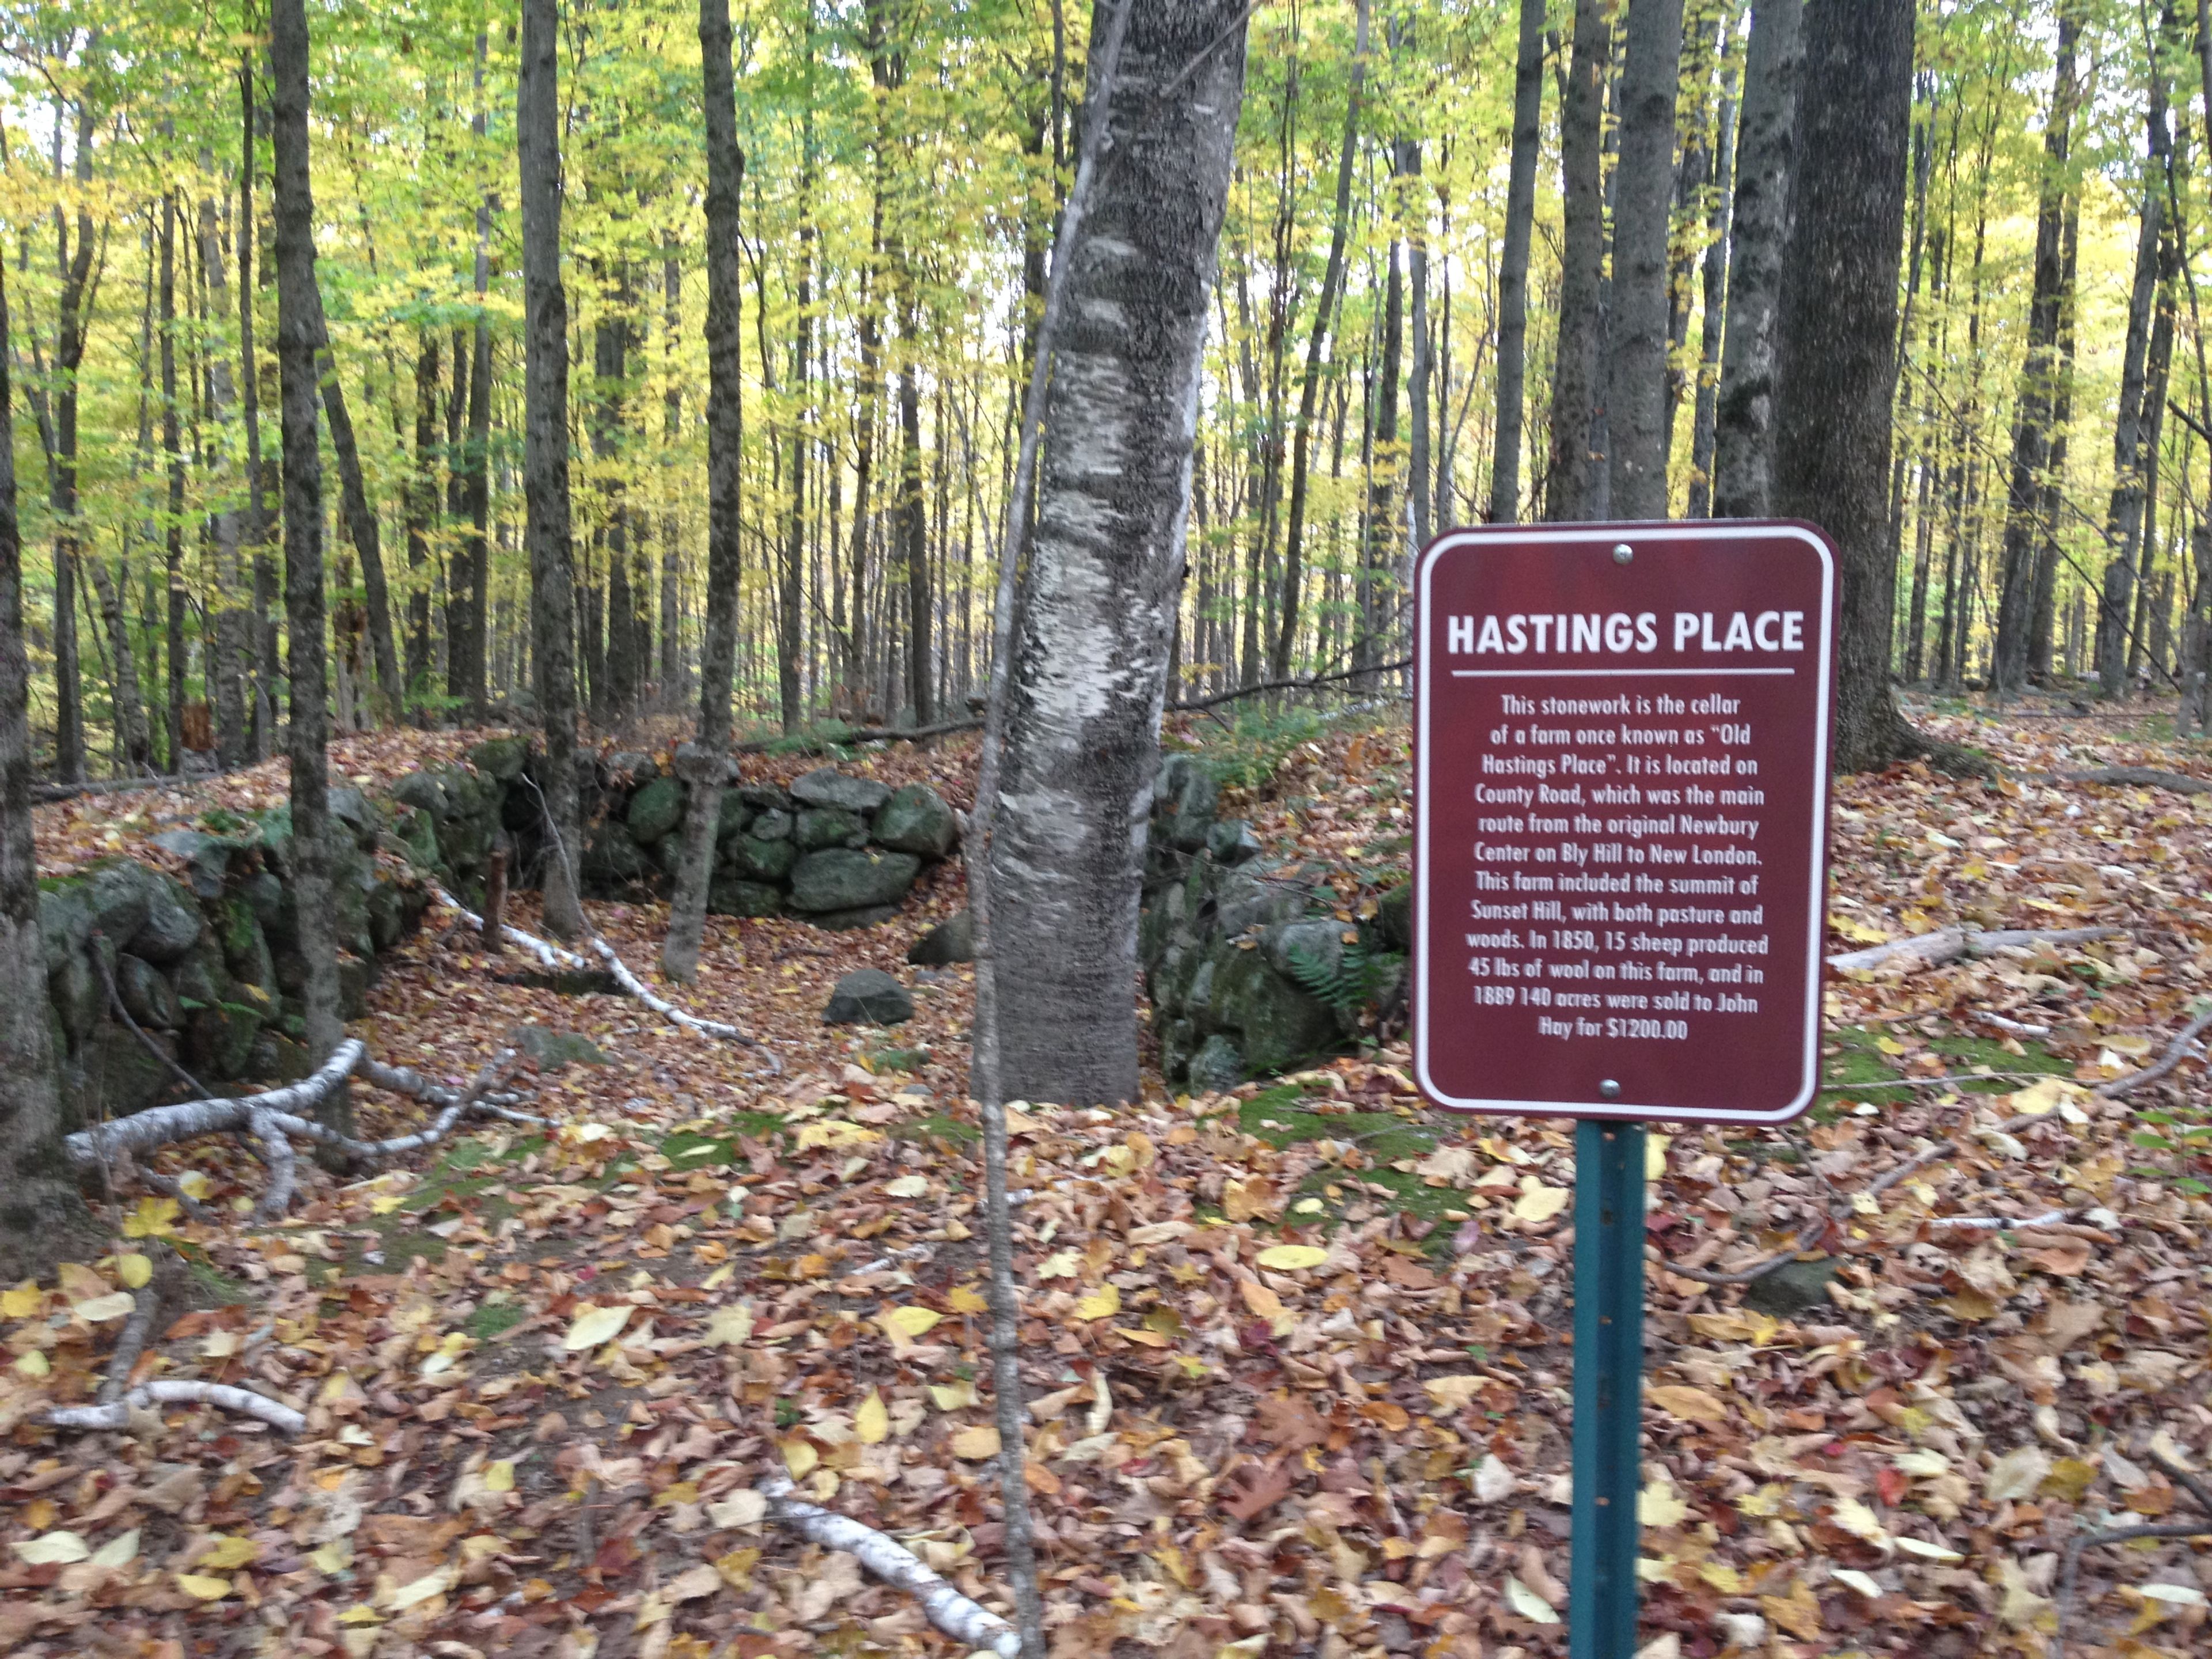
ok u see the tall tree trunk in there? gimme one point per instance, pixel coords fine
(173, 447)
(133, 749)
(1743, 417)
(791, 614)
(422, 511)
(1381, 540)
(361, 528)
(1836, 335)
(1570, 488)
(76, 271)
(1414, 209)
(1513, 262)
(2038, 380)
(1088, 676)
(610, 369)
(460, 627)
(1332, 285)
(265, 666)
(299, 338)
(42, 1217)
(913, 523)
(2123, 517)
(1636, 331)
(229, 658)
(476, 457)
(2043, 601)
(545, 450)
(672, 601)
(725, 175)
(1713, 280)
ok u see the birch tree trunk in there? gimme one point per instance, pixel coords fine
(1837, 338)
(1713, 280)
(42, 1217)
(545, 452)
(725, 176)
(1637, 332)
(1513, 262)
(1571, 486)
(1105, 564)
(300, 338)
(1743, 418)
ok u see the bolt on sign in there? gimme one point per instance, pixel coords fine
(1621, 799)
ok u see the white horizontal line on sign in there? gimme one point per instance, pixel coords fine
(1597, 673)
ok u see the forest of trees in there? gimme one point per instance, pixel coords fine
(1425, 203)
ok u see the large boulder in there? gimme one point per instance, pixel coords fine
(915, 819)
(868, 996)
(655, 809)
(843, 879)
(825, 786)
(866, 915)
(205, 858)
(1186, 796)
(1276, 1023)
(551, 1050)
(150, 999)
(613, 860)
(762, 861)
(501, 759)
(735, 815)
(730, 895)
(172, 924)
(120, 894)
(773, 823)
(829, 826)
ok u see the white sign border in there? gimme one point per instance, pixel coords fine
(1633, 533)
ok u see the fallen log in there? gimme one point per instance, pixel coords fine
(1950, 943)
(2140, 777)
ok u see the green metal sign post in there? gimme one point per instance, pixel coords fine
(1608, 1386)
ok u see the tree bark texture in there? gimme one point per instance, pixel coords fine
(1513, 262)
(1713, 281)
(724, 249)
(1743, 418)
(230, 657)
(1637, 332)
(1106, 563)
(2039, 380)
(2123, 517)
(1570, 488)
(361, 526)
(545, 452)
(249, 383)
(1836, 335)
(172, 447)
(40, 1212)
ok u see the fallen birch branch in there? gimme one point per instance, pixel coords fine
(2012, 1027)
(944, 1607)
(117, 1413)
(159, 1125)
(554, 955)
(130, 1344)
(1950, 943)
(269, 1129)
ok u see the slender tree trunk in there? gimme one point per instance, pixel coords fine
(1382, 534)
(1513, 262)
(725, 174)
(1636, 330)
(912, 521)
(2124, 518)
(791, 632)
(134, 752)
(2043, 603)
(1088, 674)
(545, 451)
(1414, 209)
(73, 321)
(2039, 378)
(300, 338)
(610, 369)
(258, 521)
(421, 510)
(1572, 482)
(1713, 280)
(42, 1217)
(229, 658)
(1743, 418)
(173, 447)
(1332, 285)
(671, 599)
(361, 528)
(475, 457)
(1836, 334)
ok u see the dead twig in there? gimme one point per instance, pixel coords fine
(2176, 1052)
(1811, 1230)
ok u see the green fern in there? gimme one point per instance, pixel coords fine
(1359, 977)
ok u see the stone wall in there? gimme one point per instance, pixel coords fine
(203, 950)
(1250, 969)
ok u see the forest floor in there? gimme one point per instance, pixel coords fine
(1293, 1352)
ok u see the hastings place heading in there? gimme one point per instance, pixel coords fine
(1617, 633)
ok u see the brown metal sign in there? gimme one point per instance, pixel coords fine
(1621, 788)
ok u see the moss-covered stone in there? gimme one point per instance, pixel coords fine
(1276, 1024)
(654, 809)
(729, 894)
(219, 1039)
(754, 859)
(841, 879)
(500, 758)
(736, 813)
(818, 827)
(916, 819)
(147, 993)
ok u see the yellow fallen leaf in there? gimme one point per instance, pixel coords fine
(229, 1553)
(53, 1549)
(1538, 1202)
(134, 1270)
(954, 1397)
(1260, 1299)
(836, 1135)
(201, 1588)
(1856, 1519)
(99, 1310)
(194, 1184)
(1694, 1404)
(1660, 1506)
(1854, 1579)
(1146, 1339)
(873, 1422)
(1289, 1258)
(154, 1218)
(911, 1322)
(1526, 1603)
(800, 1457)
(21, 1302)
(965, 1301)
(1454, 1393)
(33, 1364)
(1654, 1156)
(432, 1583)
(912, 1186)
(1928, 1551)
(595, 1325)
(976, 1443)
(363, 1615)
(333, 1559)
(385, 1203)
(499, 1475)
(1102, 1303)
(1060, 1264)
(730, 1327)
